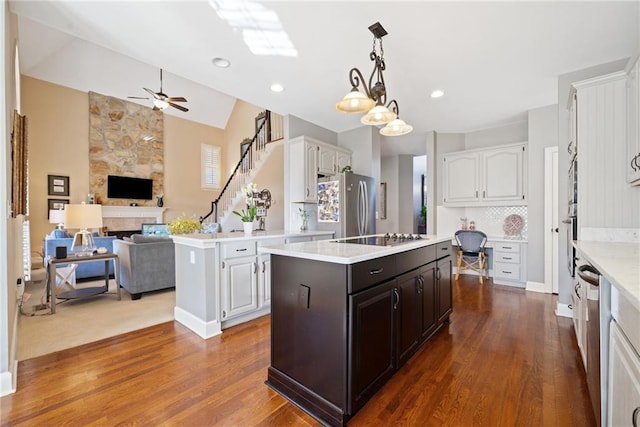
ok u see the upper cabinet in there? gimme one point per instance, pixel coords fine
(332, 159)
(309, 158)
(633, 123)
(486, 177)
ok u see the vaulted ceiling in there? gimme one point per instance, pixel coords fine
(494, 60)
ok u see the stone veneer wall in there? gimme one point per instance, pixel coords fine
(125, 139)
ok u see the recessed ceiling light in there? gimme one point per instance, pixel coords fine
(277, 87)
(437, 93)
(221, 62)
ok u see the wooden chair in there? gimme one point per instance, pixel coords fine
(471, 253)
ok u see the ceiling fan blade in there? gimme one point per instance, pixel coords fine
(155, 95)
(137, 97)
(179, 107)
(176, 99)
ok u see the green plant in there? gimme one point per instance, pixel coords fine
(247, 216)
(248, 190)
(303, 214)
(423, 212)
(184, 225)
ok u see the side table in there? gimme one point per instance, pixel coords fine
(81, 292)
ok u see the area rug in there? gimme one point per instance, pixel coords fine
(86, 320)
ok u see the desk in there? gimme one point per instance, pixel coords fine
(81, 292)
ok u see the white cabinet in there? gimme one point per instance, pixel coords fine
(303, 170)
(264, 271)
(239, 279)
(509, 263)
(579, 312)
(332, 159)
(632, 165)
(624, 380)
(488, 177)
(309, 158)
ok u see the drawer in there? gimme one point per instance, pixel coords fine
(507, 257)
(503, 270)
(415, 258)
(364, 274)
(627, 316)
(443, 249)
(238, 249)
(506, 247)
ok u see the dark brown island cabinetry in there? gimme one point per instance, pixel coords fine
(340, 331)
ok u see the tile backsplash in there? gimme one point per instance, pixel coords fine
(489, 219)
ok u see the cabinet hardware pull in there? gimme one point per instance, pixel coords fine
(263, 266)
(634, 416)
(634, 163)
(241, 250)
(506, 257)
(444, 249)
(222, 264)
(438, 274)
(507, 247)
(376, 271)
(484, 194)
(506, 272)
(397, 298)
(253, 266)
(307, 192)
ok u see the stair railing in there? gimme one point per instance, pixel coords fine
(242, 170)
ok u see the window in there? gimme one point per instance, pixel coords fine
(210, 167)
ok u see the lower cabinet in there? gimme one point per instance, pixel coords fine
(372, 341)
(509, 261)
(444, 288)
(624, 381)
(239, 286)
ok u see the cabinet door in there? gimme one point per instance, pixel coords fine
(326, 161)
(633, 123)
(371, 346)
(461, 173)
(624, 381)
(444, 289)
(503, 174)
(409, 312)
(239, 286)
(342, 160)
(311, 173)
(428, 301)
(264, 279)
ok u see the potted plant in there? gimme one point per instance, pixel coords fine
(304, 216)
(247, 217)
(184, 225)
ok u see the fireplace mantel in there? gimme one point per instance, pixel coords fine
(133, 212)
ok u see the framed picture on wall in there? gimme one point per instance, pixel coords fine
(260, 119)
(56, 205)
(58, 185)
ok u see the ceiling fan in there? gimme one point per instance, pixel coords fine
(161, 100)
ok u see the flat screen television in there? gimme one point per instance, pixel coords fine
(126, 187)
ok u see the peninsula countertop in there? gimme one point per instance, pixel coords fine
(203, 240)
(618, 262)
(345, 253)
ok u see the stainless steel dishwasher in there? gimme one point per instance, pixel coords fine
(589, 278)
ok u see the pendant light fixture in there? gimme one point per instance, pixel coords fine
(374, 99)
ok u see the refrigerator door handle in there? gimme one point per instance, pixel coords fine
(359, 210)
(365, 204)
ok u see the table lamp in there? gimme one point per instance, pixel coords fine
(56, 216)
(83, 217)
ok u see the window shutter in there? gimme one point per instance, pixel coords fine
(210, 159)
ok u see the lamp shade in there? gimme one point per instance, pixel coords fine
(378, 115)
(396, 127)
(83, 216)
(56, 216)
(355, 102)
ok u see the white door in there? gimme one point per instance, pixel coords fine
(239, 286)
(551, 219)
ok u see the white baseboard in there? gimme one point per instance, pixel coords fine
(7, 383)
(197, 325)
(563, 310)
(538, 287)
(241, 319)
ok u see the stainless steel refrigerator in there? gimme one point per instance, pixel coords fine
(347, 205)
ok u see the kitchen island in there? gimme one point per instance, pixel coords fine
(222, 281)
(345, 317)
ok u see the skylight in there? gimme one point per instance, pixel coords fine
(261, 29)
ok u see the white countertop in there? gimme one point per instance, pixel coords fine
(491, 240)
(618, 262)
(347, 253)
(202, 240)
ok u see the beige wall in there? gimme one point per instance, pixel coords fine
(58, 137)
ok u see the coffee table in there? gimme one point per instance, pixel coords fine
(81, 292)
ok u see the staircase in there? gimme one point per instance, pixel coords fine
(255, 155)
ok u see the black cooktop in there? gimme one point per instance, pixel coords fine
(382, 240)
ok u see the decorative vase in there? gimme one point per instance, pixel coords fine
(248, 227)
(160, 202)
(303, 226)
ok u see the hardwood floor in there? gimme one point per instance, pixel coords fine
(505, 360)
